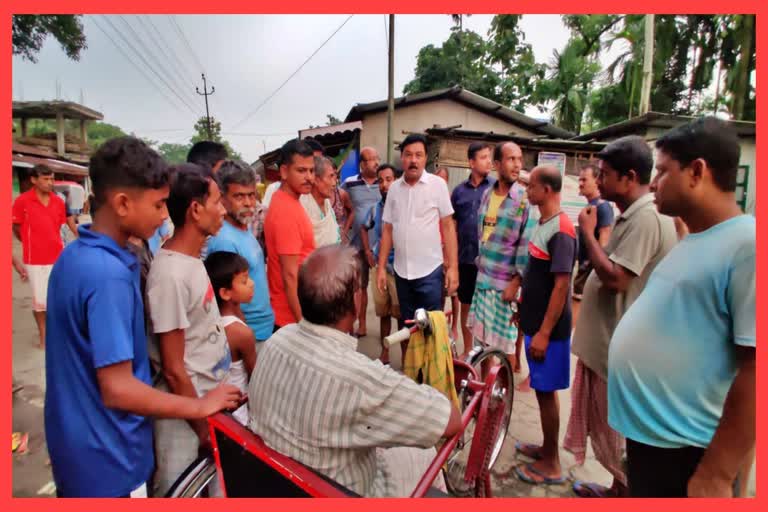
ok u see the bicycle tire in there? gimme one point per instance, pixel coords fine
(194, 480)
(456, 465)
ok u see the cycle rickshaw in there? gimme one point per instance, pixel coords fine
(247, 468)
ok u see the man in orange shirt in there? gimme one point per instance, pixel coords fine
(288, 231)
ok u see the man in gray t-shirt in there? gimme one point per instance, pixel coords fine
(190, 350)
(640, 238)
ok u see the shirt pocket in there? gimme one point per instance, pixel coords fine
(422, 209)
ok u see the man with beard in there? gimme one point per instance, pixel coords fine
(288, 231)
(238, 186)
(318, 203)
(503, 253)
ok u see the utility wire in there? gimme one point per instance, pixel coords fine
(186, 42)
(179, 85)
(127, 41)
(138, 68)
(157, 38)
(250, 114)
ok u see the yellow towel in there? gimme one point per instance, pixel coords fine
(432, 357)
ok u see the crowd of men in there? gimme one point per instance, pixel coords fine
(264, 297)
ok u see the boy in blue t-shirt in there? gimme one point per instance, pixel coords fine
(99, 398)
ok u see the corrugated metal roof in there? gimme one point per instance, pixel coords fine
(471, 99)
(656, 119)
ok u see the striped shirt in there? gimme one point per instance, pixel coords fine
(314, 398)
(505, 253)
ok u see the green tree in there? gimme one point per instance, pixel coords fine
(460, 61)
(201, 133)
(513, 57)
(99, 133)
(30, 31)
(174, 153)
(570, 76)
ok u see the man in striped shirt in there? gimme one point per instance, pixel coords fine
(316, 399)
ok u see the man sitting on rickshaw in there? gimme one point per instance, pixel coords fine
(314, 398)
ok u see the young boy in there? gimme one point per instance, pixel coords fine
(98, 396)
(233, 286)
(192, 352)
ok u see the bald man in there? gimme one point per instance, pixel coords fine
(545, 319)
(371, 420)
(363, 190)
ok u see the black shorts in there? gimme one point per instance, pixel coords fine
(467, 280)
(654, 472)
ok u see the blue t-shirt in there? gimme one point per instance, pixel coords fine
(96, 320)
(258, 313)
(604, 218)
(374, 224)
(672, 357)
(363, 196)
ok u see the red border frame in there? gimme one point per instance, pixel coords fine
(9, 7)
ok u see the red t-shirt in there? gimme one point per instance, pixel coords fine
(287, 231)
(40, 227)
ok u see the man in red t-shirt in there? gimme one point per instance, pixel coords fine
(38, 215)
(288, 231)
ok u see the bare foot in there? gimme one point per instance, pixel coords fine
(525, 386)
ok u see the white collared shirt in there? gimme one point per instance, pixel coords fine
(415, 213)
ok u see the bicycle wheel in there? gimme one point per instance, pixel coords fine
(456, 466)
(195, 480)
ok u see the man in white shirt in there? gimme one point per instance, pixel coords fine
(417, 214)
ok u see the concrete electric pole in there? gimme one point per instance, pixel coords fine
(206, 93)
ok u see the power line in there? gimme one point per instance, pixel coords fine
(149, 26)
(250, 114)
(186, 41)
(180, 85)
(138, 68)
(127, 41)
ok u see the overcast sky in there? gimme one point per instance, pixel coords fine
(246, 58)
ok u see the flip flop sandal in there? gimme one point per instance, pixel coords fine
(590, 490)
(528, 450)
(19, 442)
(544, 481)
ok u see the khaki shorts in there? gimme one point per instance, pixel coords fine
(386, 304)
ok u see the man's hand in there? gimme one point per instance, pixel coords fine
(451, 280)
(223, 396)
(510, 292)
(381, 279)
(700, 486)
(21, 269)
(588, 219)
(539, 344)
(369, 257)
